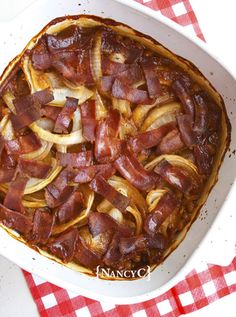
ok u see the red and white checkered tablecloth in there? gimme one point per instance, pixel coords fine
(199, 288)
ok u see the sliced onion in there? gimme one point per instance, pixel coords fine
(8, 98)
(162, 115)
(153, 198)
(4, 121)
(81, 93)
(127, 128)
(125, 188)
(34, 204)
(7, 130)
(117, 57)
(95, 58)
(76, 120)
(101, 110)
(81, 220)
(41, 153)
(63, 139)
(123, 106)
(46, 124)
(138, 218)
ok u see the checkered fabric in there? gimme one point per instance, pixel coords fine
(200, 287)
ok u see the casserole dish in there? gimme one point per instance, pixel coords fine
(139, 287)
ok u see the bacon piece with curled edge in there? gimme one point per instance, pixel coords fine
(113, 254)
(33, 168)
(88, 119)
(181, 90)
(59, 191)
(203, 158)
(65, 116)
(15, 220)
(152, 81)
(50, 112)
(150, 138)
(8, 161)
(171, 143)
(40, 55)
(106, 83)
(39, 98)
(134, 95)
(107, 145)
(71, 208)
(75, 159)
(63, 246)
(131, 169)
(25, 118)
(101, 187)
(110, 67)
(178, 178)
(87, 173)
(201, 114)
(99, 222)
(23, 144)
(166, 205)
(42, 226)
(13, 198)
(188, 136)
(6, 175)
(2, 144)
(142, 243)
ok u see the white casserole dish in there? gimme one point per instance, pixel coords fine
(16, 34)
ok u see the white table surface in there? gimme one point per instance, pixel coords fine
(218, 23)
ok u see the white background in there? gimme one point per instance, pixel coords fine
(218, 23)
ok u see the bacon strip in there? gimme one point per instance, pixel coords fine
(177, 177)
(171, 143)
(80, 159)
(50, 112)
(166, 205)
(203, 158)
(151, 138)
(65, 116)
(188, 136)
(113, 254)
(134, 95)
(181, 91)
(15, 220)
(152, 81)
(63, 246)
(101, 187)
(87, 173)
(71, 208)
(23, 144)
(34, 168)
(88, 118)
(7, 175)
(201, 115)
(110, 67)
(40, 55)
(58, 191)
(100, 222)
(13, 198)
(131, 169)
(25, 118)
(107, 145)
(42, 226)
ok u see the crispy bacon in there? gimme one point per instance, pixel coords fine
(40, 55)
(33, 168)
(166, 205)
(203, 158)
(15, 220)
(88, 118)
(85, 256)
(181, 91)
(71, 208)
(113, 254)
(42, 226)
(23, 144)
(110, 67)
(107, 145)
(171, 143)
(65, 116)
(87, 173)
(64, 245)
(142, 243)
(99, 222)
(151, 138)
(50, 112)
(131, 169)
(2, 144)
(201, 114)
(80, 159)
(152, 81)
(188, 136)
(134, 95)
(13, 198)
(8, 161)
(178, 178)
(101, 187)
(105, 83)
(7, 175)
(58, 191)
(25, 118)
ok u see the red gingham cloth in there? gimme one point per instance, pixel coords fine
(198, 289)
